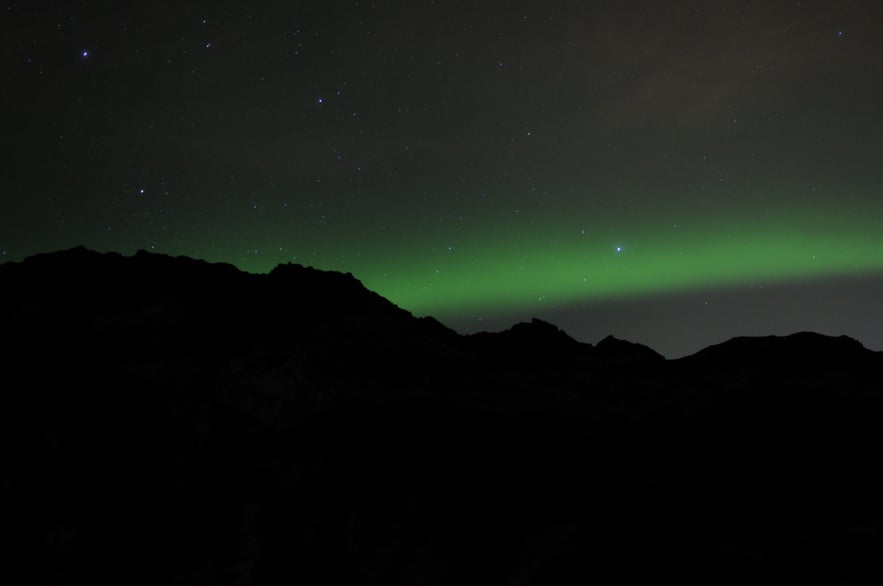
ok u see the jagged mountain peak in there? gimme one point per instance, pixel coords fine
(159, 402)
(614, 347)
(79, 284)
(799, 346)
(539, 330)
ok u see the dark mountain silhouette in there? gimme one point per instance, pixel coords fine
(171, 421)
(626, 352)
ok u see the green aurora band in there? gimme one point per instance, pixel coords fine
(511, 268)
(572, 273)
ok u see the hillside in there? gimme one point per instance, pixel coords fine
(173, 421)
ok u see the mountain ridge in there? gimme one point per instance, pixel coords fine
(333, 285)
(174, 421)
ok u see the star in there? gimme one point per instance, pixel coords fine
(84, 54)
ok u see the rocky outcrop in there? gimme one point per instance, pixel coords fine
(175, 421)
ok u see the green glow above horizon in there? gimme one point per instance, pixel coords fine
(507, 266)
(568, 273)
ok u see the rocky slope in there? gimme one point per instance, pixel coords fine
(171, 421)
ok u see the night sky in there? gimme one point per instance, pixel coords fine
(672, 173)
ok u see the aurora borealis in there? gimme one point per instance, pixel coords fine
(671, 173)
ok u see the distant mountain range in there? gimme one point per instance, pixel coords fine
(173, 421)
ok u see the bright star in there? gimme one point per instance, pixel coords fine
(619, 249)
(85, 53)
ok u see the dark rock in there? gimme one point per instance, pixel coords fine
(623, 352)
(169, 420)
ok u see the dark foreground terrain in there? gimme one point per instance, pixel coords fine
(170, 421)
